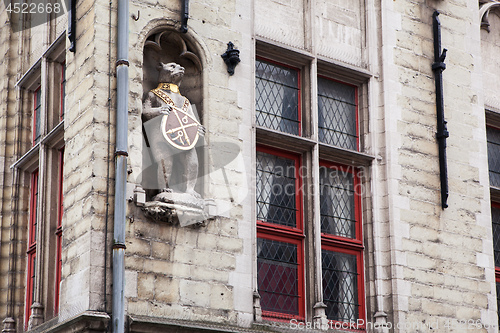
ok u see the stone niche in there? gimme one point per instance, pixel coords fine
(175, 205)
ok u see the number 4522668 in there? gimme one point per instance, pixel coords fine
(33, 8)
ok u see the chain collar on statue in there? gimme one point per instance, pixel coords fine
(169, 86)
(161, 92)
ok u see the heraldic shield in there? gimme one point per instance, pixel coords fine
(180, 129)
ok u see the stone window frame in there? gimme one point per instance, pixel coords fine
(45, 158)
(312, 151)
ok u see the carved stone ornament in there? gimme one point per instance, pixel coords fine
(485, 7)
(172, 130)
(181, 208)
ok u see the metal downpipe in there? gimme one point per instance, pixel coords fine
(121, 153)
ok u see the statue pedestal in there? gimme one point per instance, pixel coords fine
(184, 208)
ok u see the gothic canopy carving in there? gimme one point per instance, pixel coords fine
(485, 7)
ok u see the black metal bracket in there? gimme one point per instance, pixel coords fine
(72, 26)
(231, 58)
(442, 132)
(184, 16)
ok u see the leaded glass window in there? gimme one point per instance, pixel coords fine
(495, 221)
(276, 189)
(498, 300)
(340, 285)
(37, 115)
(293, 142)
(278, 275)
(337, 202)
(493, 136)
(337, 109)
(277, 96)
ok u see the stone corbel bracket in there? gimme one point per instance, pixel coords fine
(182, 212)
(484, 11)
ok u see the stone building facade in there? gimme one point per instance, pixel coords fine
(318, 171)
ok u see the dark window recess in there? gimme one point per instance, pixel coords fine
(37, 116)
(337, 111)
(498, 300)
(493, 136)
(277, 97)
(495, 222)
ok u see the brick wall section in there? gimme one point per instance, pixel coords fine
(441, 260)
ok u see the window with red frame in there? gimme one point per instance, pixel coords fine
(493, 138)
(32, 235)
(493, 142)
(337, 114)
(280, 236)
(495, 224)
(59, 233)
(37, 109)
(277, 89)
(63, 90)
(341, 242)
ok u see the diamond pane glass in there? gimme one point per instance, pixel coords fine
(498, 301)
(337, 114)
(38, 104)
(277, 269)
(337, 202)
(276, 190)
(493, 136)
(340, 285)
(495, 223)
(277, 97)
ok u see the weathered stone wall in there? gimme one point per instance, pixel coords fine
(441, 260)
(88, 98)
(197, 273)
(431, 266)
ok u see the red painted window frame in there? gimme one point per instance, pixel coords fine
(350, 245)
(291, 235)
(36, 111)
(358, 240)
(62, 88)
(59, 232)
(299, 88)
(356, 98)
(31, 253)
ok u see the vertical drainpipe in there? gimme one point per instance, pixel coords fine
(121, 154)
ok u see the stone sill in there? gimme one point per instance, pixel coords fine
(88, 321)
(146, 324)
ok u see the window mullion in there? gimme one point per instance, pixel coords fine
(319, 306)
(44, 96)
(41, 201)
(313, 84)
